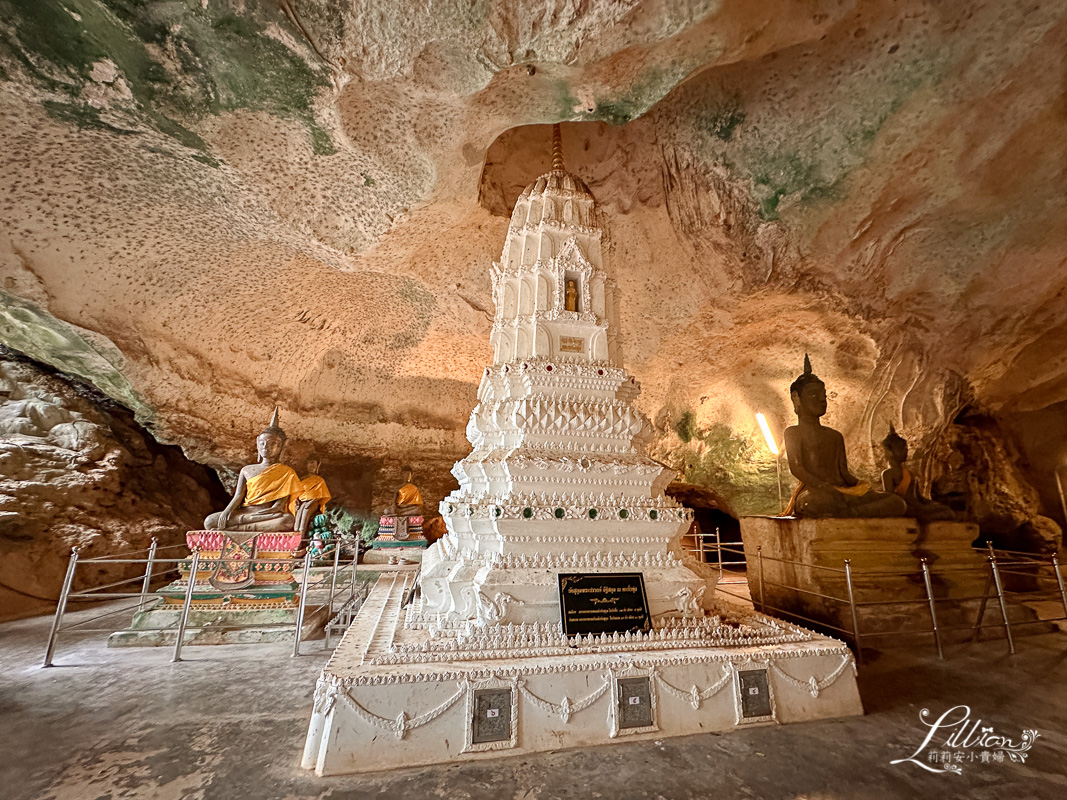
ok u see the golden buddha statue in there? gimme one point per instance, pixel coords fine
(402, 521)
(570, 297)
(408, 498)
(267, 492)
(313, 487)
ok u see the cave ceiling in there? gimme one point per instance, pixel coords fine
(209, 207)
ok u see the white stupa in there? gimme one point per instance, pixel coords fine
(478, 664)
(558, 478)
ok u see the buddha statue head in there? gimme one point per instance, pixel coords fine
(271, 440)
(895, 445)
(808, 393)
(313, 464)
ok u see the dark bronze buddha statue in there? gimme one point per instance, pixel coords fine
(818, 460)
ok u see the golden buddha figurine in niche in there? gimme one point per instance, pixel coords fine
(570, 296)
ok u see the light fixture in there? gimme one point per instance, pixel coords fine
(762, 420)
(1059, 485)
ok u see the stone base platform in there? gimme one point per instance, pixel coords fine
(396, 552)
(885, 558)
(400, 690)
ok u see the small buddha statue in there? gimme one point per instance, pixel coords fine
(570, 297)
(818, 460)
(267, 492)
(406, 510)
(313, 486)
(899, 480)
(408, 498)
(317, 495)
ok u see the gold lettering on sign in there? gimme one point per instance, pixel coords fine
(571, 344)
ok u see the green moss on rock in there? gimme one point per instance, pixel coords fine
(216, 61)
(735, 467)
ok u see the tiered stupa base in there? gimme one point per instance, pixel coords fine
(264, 611)
(400, 690)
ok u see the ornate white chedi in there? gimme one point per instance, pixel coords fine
(558, 479)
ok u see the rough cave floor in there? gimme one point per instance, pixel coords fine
(229, 722)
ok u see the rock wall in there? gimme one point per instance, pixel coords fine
(77, 471)
(209, 208)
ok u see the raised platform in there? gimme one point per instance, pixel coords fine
(885, 559)
(403, 690)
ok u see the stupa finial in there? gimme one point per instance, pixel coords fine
(557, 149)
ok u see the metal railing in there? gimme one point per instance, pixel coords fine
(999, 563)
(157, 567)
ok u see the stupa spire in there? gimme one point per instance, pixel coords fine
(557, 150)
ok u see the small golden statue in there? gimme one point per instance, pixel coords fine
(402, 522)
(314, 487)
(570, 299)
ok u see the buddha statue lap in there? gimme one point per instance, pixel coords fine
(899, 480)
(817, 459)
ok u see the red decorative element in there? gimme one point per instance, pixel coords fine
(600, 372)
(548, 368)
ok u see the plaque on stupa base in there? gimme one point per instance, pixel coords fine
(401, 691)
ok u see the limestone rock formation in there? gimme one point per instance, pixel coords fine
(78, 472)
(209, 208)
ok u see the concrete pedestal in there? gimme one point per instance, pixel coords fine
(400, 691)
(884, 555)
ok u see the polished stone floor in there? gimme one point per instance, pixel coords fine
(228, 723)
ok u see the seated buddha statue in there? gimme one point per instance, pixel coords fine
(267, 492)
(899, 480)
(818, 460)
(316, 495)
(314, 487)
(402, 521)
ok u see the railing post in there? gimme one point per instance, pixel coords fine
(700, 541)
(1003, 604)
(183, 620)
(933, 609)
(61, 608)
(759, 560)
(852, 610)
(352, 577)
(148, 574)
(1059, 582)
(333, 578)
(976, 635)
(302, 605)
(718, 549)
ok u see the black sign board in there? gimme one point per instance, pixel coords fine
(607, 602)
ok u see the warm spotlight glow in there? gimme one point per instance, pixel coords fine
(767, 432)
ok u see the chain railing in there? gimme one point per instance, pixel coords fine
(157, 568)
(999, 563)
